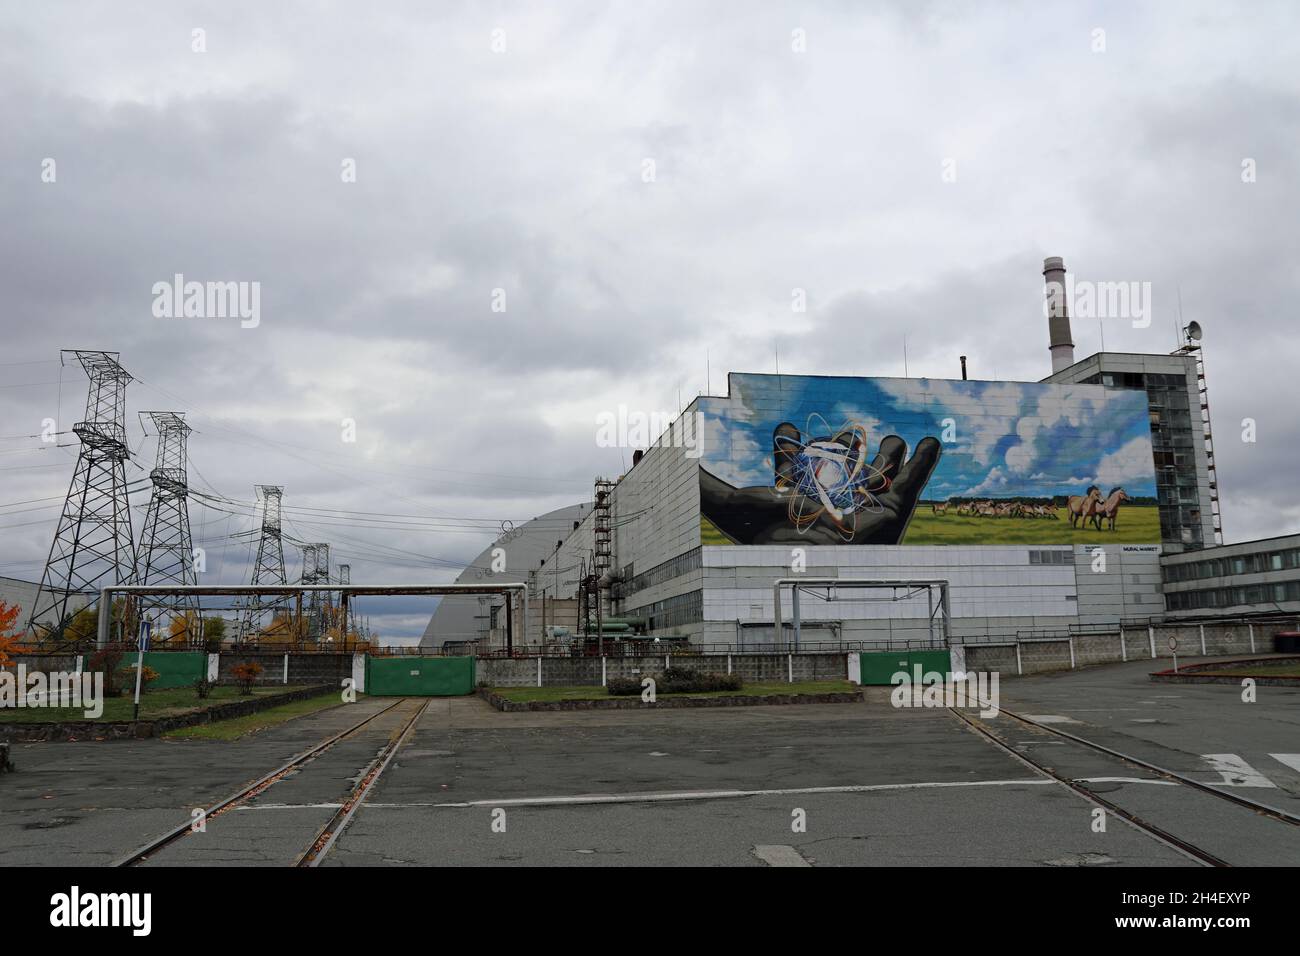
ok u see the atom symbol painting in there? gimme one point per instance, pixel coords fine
(828, 476)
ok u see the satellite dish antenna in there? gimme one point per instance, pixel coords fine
(1193, 331)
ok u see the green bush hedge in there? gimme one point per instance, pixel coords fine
(675, 680)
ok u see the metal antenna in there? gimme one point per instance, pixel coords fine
(166, 555)
(269, 565)
(93, 544)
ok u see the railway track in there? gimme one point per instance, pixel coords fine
(326, 837)
(1188, 848)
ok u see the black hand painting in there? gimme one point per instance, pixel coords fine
(874, 506)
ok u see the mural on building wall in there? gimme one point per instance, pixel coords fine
(818, 460)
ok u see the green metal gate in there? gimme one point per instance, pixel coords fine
(419, 676)
(175, 668)
(879, 667)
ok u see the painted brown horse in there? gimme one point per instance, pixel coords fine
(1084, 507)
(1108, 509)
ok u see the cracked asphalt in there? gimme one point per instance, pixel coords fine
(822, 785)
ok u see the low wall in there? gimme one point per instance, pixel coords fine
(1039, 655)
(303, 668)
(120, 730)
(586, 671)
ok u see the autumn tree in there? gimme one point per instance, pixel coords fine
(8, 640)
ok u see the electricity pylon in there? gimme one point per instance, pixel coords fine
(166, 555)
(93, 544)
(269, 566)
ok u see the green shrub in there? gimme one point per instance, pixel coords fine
(676, 680)
(623, 686)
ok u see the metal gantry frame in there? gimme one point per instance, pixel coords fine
(912, 585)
(316, 590)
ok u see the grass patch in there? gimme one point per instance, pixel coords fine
(774, 689)
(153, 705)
(236, 727)
(1280, 669)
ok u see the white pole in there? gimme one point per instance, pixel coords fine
(286, 668)
(602, 670)
(1071, 640)
(539, 670)
(789, 668)
(1151, 636)
(728, 663)
(1019, 669)
(1123, 651)
(1251, 628)
(139, 670)
(1202, 642)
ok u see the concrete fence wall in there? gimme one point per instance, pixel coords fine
(587, 671)
(1037, 655)
(303, 668)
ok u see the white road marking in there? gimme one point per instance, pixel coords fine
(779, 855)
(1291, 760)
(1051, 719)
(662, 797)
(1236, 772)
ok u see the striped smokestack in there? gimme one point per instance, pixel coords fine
(1058, 313)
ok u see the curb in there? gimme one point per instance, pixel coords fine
(1196, 673)
(128, 730)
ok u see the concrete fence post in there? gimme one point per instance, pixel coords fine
(728, 663)
(1020, 669)
(80, 662)
(668, 661)
(1251, 628)
(1151, 636)
(286, 669)
(1071, 643)
(1123, 651)
(789, 668)
(603, 676)
(539, 670)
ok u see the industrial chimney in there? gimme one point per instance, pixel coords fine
(1058, 314)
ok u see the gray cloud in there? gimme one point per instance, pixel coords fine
(523, 171)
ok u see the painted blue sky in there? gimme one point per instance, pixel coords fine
(1008, 438)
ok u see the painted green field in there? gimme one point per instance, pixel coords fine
(1135, 524)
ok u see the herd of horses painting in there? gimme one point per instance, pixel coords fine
(1088, 508)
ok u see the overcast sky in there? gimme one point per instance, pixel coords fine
(909, 166)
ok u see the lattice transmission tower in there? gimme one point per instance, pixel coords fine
(166, 553)
(269, 565)
(93, 544)
(316, 570)
(347, 619)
